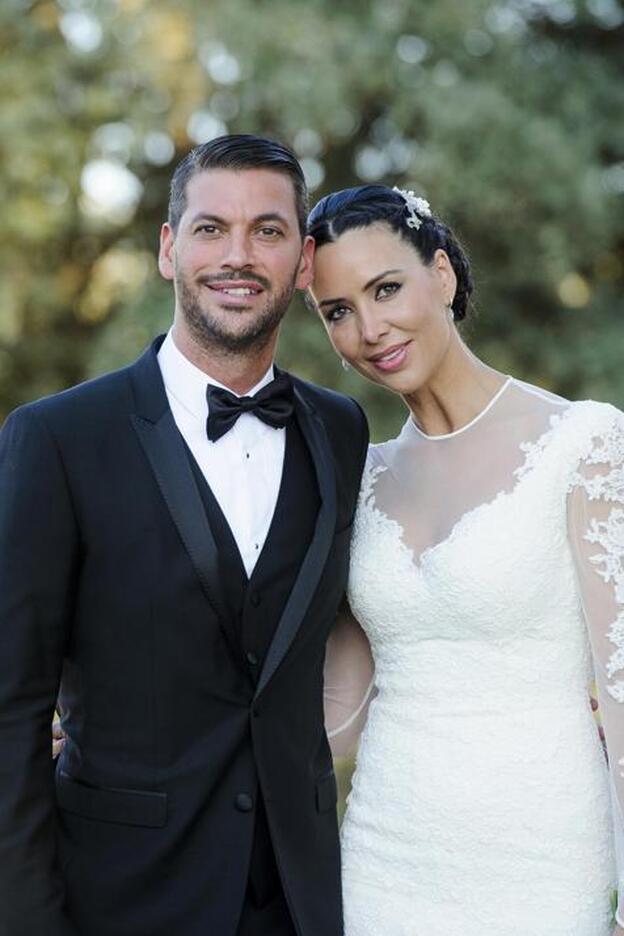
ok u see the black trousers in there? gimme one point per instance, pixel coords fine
(265, 911)
(271, 920)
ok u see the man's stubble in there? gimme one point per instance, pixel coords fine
(210, 331)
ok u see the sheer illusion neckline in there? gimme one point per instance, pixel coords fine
(473, 422)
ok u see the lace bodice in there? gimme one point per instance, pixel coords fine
(506, 539)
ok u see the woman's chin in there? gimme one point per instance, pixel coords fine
(403, 382)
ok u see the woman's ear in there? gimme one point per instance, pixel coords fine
(447, 276)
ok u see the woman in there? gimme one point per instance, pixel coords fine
(487, 575)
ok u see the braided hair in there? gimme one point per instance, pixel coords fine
(364, 205)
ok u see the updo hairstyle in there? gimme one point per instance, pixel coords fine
(364, 205)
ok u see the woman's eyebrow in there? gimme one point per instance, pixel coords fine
(368, 285)
(379, 276)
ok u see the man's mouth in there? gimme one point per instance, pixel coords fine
(236, 289)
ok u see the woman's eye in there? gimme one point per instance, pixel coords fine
(336, 314)
(386, 289)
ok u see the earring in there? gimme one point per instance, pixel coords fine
(345, 365)
(450, 312)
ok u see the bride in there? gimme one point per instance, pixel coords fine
(487, 578)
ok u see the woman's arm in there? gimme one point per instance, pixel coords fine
(349, 683)
(596, 531)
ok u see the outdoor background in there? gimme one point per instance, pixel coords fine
(508, 117)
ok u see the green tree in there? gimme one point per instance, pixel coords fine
(507, 116)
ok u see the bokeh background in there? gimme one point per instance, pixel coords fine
(508, 116)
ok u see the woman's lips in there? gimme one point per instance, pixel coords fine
(392, 359)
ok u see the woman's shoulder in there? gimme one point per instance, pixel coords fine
(599, 433)
(585, 418)
(583, 432)
(380, 455)
(592, 419)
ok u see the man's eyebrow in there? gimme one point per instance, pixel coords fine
(371, 282)
(271, 216)
(203, 216)
(259, 219)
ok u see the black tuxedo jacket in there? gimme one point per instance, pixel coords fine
(110, 599)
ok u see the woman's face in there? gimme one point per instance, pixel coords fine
(386, 313)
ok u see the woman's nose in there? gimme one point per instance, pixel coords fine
(372, 328)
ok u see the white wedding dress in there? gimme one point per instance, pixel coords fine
(487, 577)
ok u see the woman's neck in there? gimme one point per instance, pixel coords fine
(456, 393)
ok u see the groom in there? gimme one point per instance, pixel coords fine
(174, 540)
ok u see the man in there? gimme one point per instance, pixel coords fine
(172, 561)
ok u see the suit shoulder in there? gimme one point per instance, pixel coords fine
(86, 399)
(330, 401)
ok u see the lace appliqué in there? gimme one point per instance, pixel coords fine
(368, 482)
(534, 450)
(373, 513)
(608, 450)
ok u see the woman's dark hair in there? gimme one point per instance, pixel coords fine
(364, 205)
(237, 151)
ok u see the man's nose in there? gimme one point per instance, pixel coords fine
(238, 251)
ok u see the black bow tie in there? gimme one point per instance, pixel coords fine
(273, 405)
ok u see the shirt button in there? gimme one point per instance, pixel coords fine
(244, 802)
(254, 599)
(252, 658)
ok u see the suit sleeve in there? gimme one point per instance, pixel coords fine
(38, 560)
(364, 436)
(349, 675)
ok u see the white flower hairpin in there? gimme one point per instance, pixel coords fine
(417, 208)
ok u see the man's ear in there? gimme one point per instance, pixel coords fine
(304, 274)
(166, 252)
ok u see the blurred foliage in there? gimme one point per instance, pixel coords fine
(507, 116)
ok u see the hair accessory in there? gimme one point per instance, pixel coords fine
(417, 208)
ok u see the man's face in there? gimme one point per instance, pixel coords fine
(236, 257)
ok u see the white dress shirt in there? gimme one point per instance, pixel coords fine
(243, 467)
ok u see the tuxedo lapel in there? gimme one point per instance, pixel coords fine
(164, 447)
(316, 556)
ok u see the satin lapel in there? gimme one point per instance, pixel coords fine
(314, 562)
(164, 448)
(165, 451)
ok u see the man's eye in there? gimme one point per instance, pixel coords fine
(206, 229)
(270, 232)
(386, 289)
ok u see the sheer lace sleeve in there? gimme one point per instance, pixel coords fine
(596, 526)
(349, 683)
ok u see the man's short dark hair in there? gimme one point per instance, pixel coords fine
(237, 151)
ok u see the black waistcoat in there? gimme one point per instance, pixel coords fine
(254, 605)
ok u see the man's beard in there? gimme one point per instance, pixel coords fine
(210, 331)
